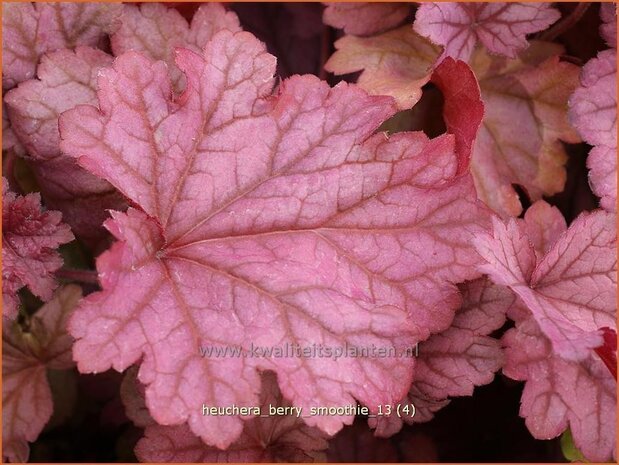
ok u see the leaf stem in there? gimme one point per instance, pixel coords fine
(8, 169)
(566, 23)
(81, 276)
(325, 50)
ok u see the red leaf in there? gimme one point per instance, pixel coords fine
(460, 90)
(455, 80)
(500, 27)
(29, 239)
(276, 219)
(26, 355)
(453, 362)
(608, 351)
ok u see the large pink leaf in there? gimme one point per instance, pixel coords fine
(364, 19)
(65, 79)
(453, 362)
(26, 355)
(500, 27)
(571, 289)
(30, 238)
(270, 437)
(279, 220)
(31, 29)
(157, 31)
(593, 112)
(559, 393)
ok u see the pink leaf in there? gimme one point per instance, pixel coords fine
(397, 63)
(559, 393)
(425, 407)
(26, 354)
(582, 267)
(270, 437)
(543, 225)
(593, 112)
(276, 219)
(608, 29)
(30, 238)
(500, 27)
(65, 79)
(364, 19)
(534, 91)
(571, 289)
(510, 257)
(157, 30)
(30, 30)
(542, 404)
(453, 362)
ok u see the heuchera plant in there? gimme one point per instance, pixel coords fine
(210, 200)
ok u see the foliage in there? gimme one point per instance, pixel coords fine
(395, 232)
